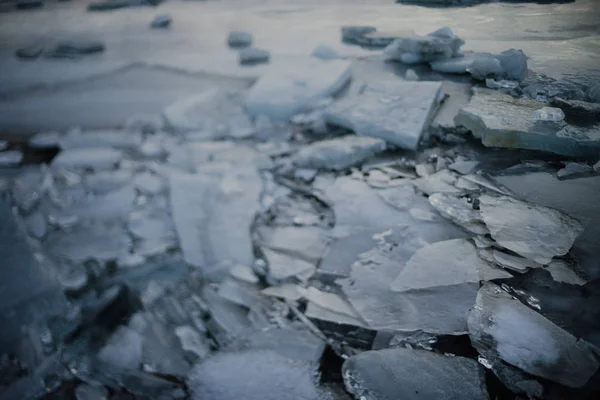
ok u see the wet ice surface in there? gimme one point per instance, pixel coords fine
(413, 374)
(233, 245)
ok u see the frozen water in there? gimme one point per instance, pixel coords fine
(10, 158)
(36, 225)
(501, 120)
(331, 302)
(567, 271)
(356, 204)
(439, 45)
(294, 341)
(124, 349)
(154, 234)
(306, 242)
(82, 243)
(91, 392)
(351, 33)
(579, 198)
(122, 140)
(252, 55)
(448, 263)
(324, 52)
(532, 231)
(145, 123)
(443, 310)
(283, 267)
(551, 114)
(510, 64)
(44, 140)
(239, 39)
(463, 167)
(520, 336)
(95, 158)
(103, 182)
(161, 21)
(148, 183)
(339, 153)
(253, 375)
(501, 84)
(411, 75)
(191, 341)
(400, 197)
(216, 113)
(28, 188)
(397, 111)
(112, 206)
(286, 90)
(460, 211)
(213, 216)
(393, 374)
(514, 263)
(440, 182)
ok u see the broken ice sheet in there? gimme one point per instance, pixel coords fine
(89, 241)
(95, 158)
(254, 374)
(406, 374)
(123, 140)
(459, 211)
(294, 341)
(112, 206)
(440, 182)
(153, 234)
(357, 204)
(532, 231)
(306, 242)
(501, 325)
(504, 121)
(446, 264)
(567, 271)
(285, 90)
(215, 112)
(579, 198)
(228, 320)
(102, 182)
(439, 45)
(213, 216)
(339, 153)
(123, 349)
(441, 310)
(283, 267)
(397, 112)
(512, 262)
(319, 302)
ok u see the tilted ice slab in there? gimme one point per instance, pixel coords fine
(291, 88)
(535, 232)
(448, 263)
(501, 120)
(397, 112)
(501, 326)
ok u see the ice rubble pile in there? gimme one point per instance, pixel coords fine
(237, 246)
